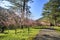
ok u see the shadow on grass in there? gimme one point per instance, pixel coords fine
(3, 36)
(46, 28)
(49, 28)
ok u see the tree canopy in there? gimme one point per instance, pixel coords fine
(52, 11)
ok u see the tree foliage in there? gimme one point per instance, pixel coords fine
(9, 17)
(52, 11)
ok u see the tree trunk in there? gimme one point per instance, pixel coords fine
(23, 13)
(2, 30)
(55, 23)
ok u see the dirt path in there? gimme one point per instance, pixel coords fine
(47, 34)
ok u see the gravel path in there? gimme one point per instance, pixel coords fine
(47, 34)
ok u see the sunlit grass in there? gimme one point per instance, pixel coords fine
(57, 28)
(22, 34)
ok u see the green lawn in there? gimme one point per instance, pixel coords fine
(57, 28)
(22, 34)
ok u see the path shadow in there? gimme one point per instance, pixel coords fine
(46, 37)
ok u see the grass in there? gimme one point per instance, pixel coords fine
(57, 28)
(22, 34)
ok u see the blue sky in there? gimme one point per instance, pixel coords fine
(36, 7)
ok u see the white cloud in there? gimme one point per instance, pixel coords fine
(5, 4)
